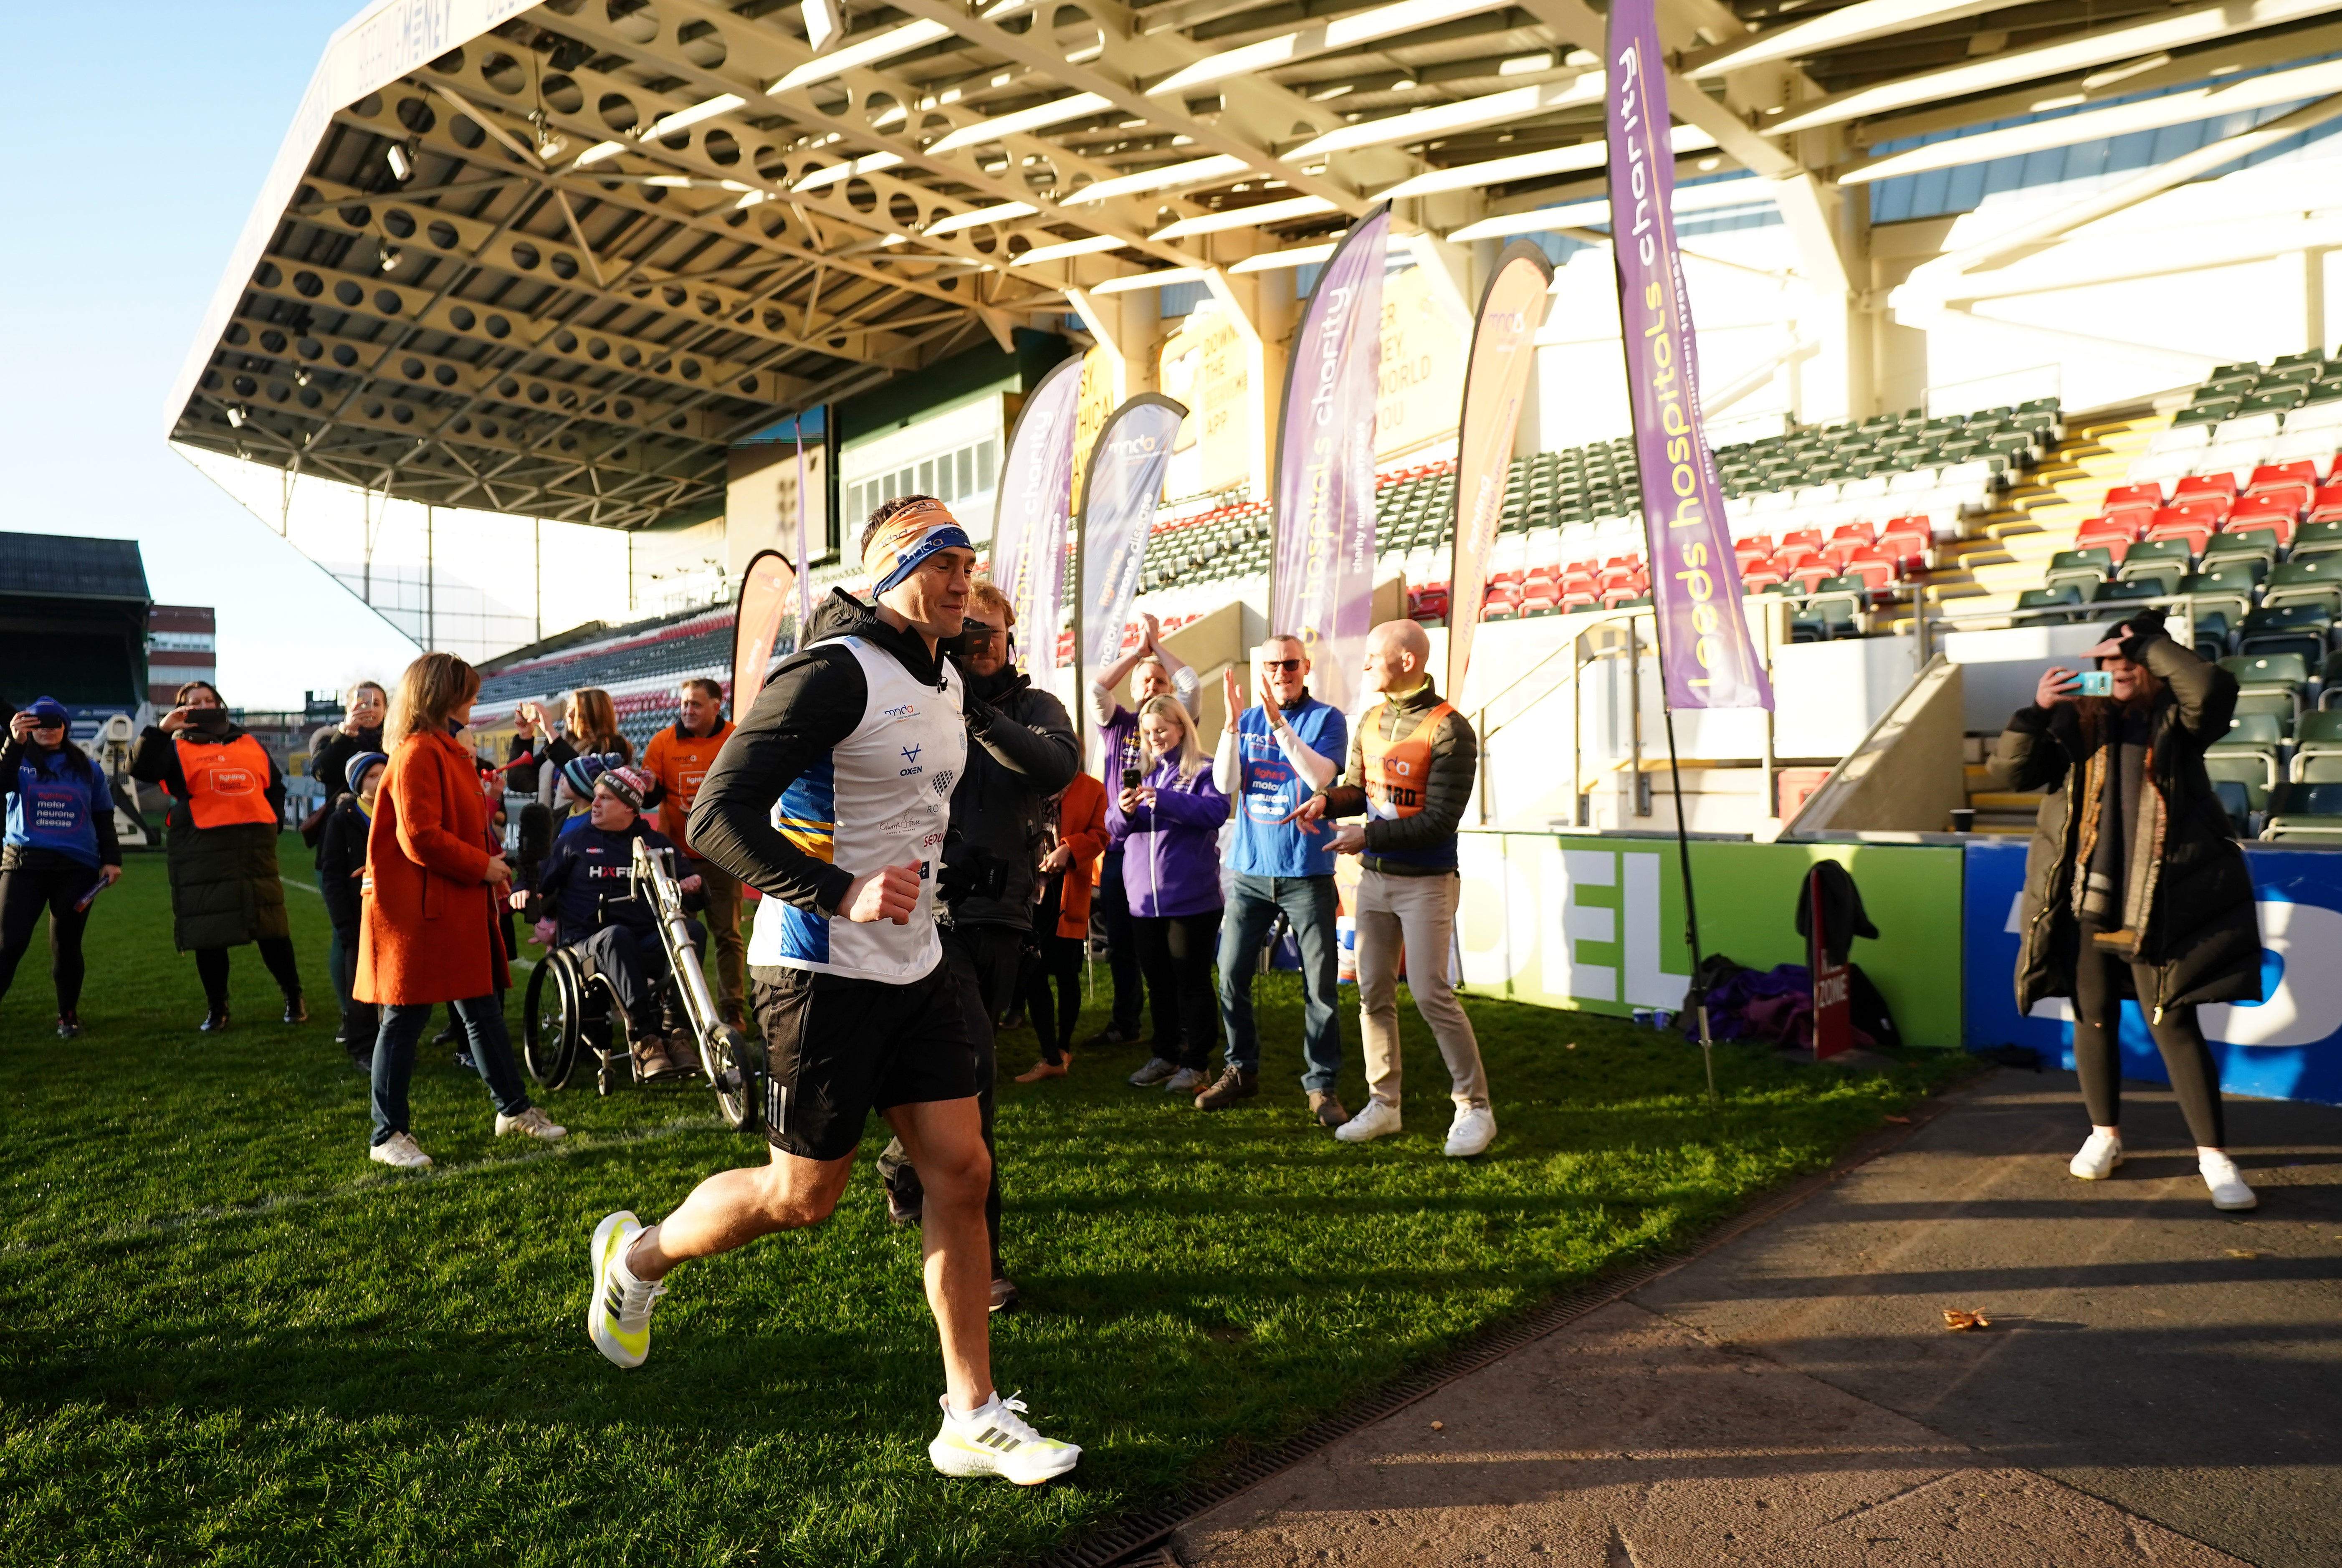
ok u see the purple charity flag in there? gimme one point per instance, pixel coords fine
(1707, 656)
(1030, 513)
(1322, 581)
(1119, 490)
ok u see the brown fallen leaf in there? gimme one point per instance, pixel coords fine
(1905, 1120)
(1957, 1321)
(1439, 1426)
(2245, 1252)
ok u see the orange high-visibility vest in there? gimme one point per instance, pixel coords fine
(1397, 769)
(226, 784)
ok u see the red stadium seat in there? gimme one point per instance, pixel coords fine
(1907, 540)
(1579, 595)
(1810, 538)
(1874, 570)
(2197, 486)
(2289, 484)
(2252, 516)
(1755, 547)
(2114, 534)
(2174, 523)
(2130, 497)
(1809, 573)
(1756, 576)
(2325, 503)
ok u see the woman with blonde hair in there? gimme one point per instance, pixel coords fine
(428, 931)
(1171, 875)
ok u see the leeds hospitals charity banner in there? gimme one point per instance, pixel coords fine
(1707, 656)
(1030, 517)
(1497, 380)
(1321, 581)
(1121, 482)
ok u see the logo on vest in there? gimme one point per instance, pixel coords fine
(233, 780)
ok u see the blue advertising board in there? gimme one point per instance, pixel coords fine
(2287, 1046)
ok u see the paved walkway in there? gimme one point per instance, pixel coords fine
(2161, 1384)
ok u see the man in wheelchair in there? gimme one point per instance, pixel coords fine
(586, 903)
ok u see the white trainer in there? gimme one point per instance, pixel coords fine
(1185, 1080)
(2098, 1156)
(532, 1123)
(2227, 1184)
(1378, 1119)
(1474, 1129)
(994, 1440)
(399, 1153)
(1157, 1069)
(618, 1319)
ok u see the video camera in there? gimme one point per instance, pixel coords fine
(970, 871)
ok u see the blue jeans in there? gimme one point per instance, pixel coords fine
(483, 1018)
(1308, 904)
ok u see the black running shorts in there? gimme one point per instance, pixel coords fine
(840, 1049)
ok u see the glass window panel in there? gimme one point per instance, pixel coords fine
(985, 458)
(967, 465)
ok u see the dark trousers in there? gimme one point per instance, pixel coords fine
(276, 951)
(1122, 958)
(1308, 905)
(2097, 1019)
(483, 1018)
(360, 1020)
(1052, 994)
(983, 961)
(24, 891)
(635, 963)
(1176, 951)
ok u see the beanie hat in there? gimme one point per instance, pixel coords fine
(354, 772)
(48, 708)
(629, 784)
(580, 772)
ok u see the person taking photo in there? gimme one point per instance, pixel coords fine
(1153, 671)
(428, 930)
(59, 852)
(228, 800)
(2135, 887)
(678, 758)
(832, 800)
(1171, 873)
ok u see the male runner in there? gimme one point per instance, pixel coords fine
(831, 799)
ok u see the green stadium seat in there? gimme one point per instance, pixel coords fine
(2283, 706)
(2268, 671)
(2318, 538)
(2236, 797)
(2288, 629)
(2254, 552)
(2081, 569)
(2163, 562)
(2250, 752)
(2309, 809)
(2312, 582)
(2118, 593)
(2317, 738)
(2065, 596)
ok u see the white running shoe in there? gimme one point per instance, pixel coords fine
(2229, 1189)
(618, 1320)
(2098, 1156)
(532, 1122)
(1379, 1119)
(399, 1153)
(1185, 1080)
(1474, 1129)
(993, 1440)
(1157, 1068)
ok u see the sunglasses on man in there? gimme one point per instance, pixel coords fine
(1285, 665)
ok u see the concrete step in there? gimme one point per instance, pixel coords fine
(2025, 801)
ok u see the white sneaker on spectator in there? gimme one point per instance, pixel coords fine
(1474, 1129)
(1185, 1080)
(532, 1122)
(398, 1150)
(2229, 1189)
(1379, 1119)
(2098, 1156)
(1157, 1068)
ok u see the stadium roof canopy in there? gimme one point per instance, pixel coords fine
(550, 259)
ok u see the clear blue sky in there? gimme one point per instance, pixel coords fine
(144, 131)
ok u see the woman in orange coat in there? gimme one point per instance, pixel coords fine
(1061, 925)
(427, 927)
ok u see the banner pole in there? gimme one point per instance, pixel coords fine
(1682, 857)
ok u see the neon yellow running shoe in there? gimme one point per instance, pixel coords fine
(993, 1440)
(618, 1319)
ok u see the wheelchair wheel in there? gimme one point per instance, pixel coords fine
(548, 1037)
(734, 1066)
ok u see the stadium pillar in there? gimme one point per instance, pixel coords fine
(2313, 299)
(1261, 306)
(1126, 327)
(1833, 244)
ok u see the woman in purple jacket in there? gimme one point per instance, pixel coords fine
(1171, 871)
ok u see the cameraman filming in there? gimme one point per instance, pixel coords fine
(1025, 752)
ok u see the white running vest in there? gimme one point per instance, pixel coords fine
(883, 798)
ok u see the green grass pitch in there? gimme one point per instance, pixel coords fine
(232, 1340)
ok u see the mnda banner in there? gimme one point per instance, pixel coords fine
(1496, 381)
(1031, 513)
(1120, 486)
(768, 596)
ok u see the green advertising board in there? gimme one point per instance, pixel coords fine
(1597, 922)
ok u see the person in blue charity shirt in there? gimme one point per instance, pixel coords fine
(1271, 758)
(60, 851)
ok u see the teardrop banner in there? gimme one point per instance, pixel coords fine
(1322, 573)
(1120, 486)
(1030, 514)
(803, 554)
(1495, 382)
(1707, 657)
(768, 596)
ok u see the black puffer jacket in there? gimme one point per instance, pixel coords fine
(224, 890)
(1025, 752)
(2201, 931)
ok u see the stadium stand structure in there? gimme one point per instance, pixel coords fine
(640, 665)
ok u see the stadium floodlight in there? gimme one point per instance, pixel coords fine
(1496, 108)
(600, 152)
(1702, 198)
(1081, 247)
(1848, 24)
(822, 21)
(976, 217)
(402, 168)
(1531, 165)
(869, 50)
(1194, 172)
(1055, 112)
(831, 176)
(2076, 52)
(1285, 48)
(1247, 217)
(1135, 281)
(683, 119)
(2320, 81)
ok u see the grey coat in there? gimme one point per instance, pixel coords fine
(2187, 891)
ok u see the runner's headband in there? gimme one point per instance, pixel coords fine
(906, 539)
